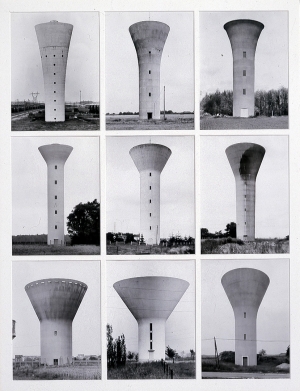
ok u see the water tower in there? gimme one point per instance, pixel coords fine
(149, 38)
(243, 35)
(245, 160)
(54, 41)
(150, 159)
(245, 289)
(56, 301)
(151, 300)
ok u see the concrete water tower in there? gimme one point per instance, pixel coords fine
(151, 300)
(56, 301)
(55, 156)
(245, 160)
(149, 38)
(245, 289)
(243, 35)
(150, 159)
(54, 41)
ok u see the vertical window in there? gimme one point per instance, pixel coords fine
(54, 100)
(55, 332)
(55, 167)
(149, 52)
(149, 72)
(150, 214)
(244, 72)
(54, 109)
(55, 197)
(245, 337)
(54, 92)
(150, 326)
(150, 345)
(55, 212)
(244, 54)
(149, 187)
(149, 93)
(244, 91)
(244, 314)
(150, 227)
(149, 201)
(245, 210)
(245, 223)
(56, 227)
(53, 64)
(54, 74)
(245, 196)
(55, 182)
(55, 82)
(53, 55)
(150, 174)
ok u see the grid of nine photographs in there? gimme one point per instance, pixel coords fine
(150, 180)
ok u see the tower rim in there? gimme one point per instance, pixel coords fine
(45, 280)
(243, 21)
(149, 22)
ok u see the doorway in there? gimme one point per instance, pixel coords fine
(149, 115)
(55, 361)
(244, 113)
(245, 361)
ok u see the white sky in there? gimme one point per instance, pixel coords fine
(177, 63)
(86, 324)
(218, 196)
(176, 191)
(83, 59)
(217, 313)
(29, 180)
(180, 326)
(271, 59)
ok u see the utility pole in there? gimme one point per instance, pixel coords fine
(164, 103)
(216, 355)
(80, 98)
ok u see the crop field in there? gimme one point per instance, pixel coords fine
(37, 249)
(153, 370)
(85, 372)
(263, 246)
(25, 124)
(128, 249)
(261, 122)
(131, 122)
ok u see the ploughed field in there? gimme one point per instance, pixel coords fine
(85, 372)
(260, 122)
(26, 124)
(44, 249)
(132, 122)
(259, 246)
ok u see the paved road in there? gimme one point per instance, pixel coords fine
(244, 375)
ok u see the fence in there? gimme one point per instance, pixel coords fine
(168, 371)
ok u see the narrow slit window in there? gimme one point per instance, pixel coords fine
(150, 174)
(150, 326)
(245, 337)
(56, 227)
(150, 214)
(54, 92)
(244, 314)
(149, 72)
(55, 212)
(55, 82)
(54, 74)
(149, 187)
(244, 54)
(244, 91)
(150, 345)
(55, 332)
(54, 109)
(55, 182)
(55, 167)
(149, 201)
(150, 227)
(149, 93)
(149, 52)
(55, 197)
(244, 72)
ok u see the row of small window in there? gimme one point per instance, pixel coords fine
(53, 56)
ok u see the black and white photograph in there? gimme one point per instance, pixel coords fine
(150, 195)
(151, 320)
(244, 194)
(55, 71)
(149, 70)
(55, 196)
(245, 326)
(56, 319)
(244, 70)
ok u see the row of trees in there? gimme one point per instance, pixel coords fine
(230, 231)
(116, 349)
(119, 237)
(272, 102)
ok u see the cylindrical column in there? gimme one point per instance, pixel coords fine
(56, 301)
(55, 156)
(243, 35)
(245, 289)
(149, 38)
(152, 336)
(54, 41)
(245, 160)
(150, 160)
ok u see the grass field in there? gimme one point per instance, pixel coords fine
(37, 249)
(128, 249)
(173, 122)
(25, 124)
(153, 370)
(261, 122)
(85, 372)
(264, 246)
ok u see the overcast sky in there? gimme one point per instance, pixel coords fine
(271, 59)
(83, 59)
(86, 324)
(218, 195)
(217, 314)
(180, 326)
(177, 63)
(29, 180)
(177, 212)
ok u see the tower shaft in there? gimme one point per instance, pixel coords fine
(149, 39)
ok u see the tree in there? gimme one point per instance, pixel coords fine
(262, 352)
(287, 354)
(193, 354)
(116, 349)
(170, 352)
(130, 355)
(227, 356)
(111, 354)
(84, 223)
(230, 230)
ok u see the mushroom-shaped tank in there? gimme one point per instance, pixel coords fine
(149, 38)
(151, 301)
(243, 35)
(245, 160)
(56, 301)
(245, 289)
(150, 159)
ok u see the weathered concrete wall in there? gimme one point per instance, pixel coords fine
(149, 38)
(54, 41)
(243, 35)
(150, 160)
(151, 301)
(245, 160)
(55, 156)
(245, 289)
(56, 301)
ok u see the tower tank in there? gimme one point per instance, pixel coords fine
(151, 300)
(55, 156)
(149, 38)
(54, 41)
(245, 160)
(243, 35)
(150, 160)
(245, 289)
(55, 302)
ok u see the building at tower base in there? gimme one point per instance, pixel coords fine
(149, 38)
